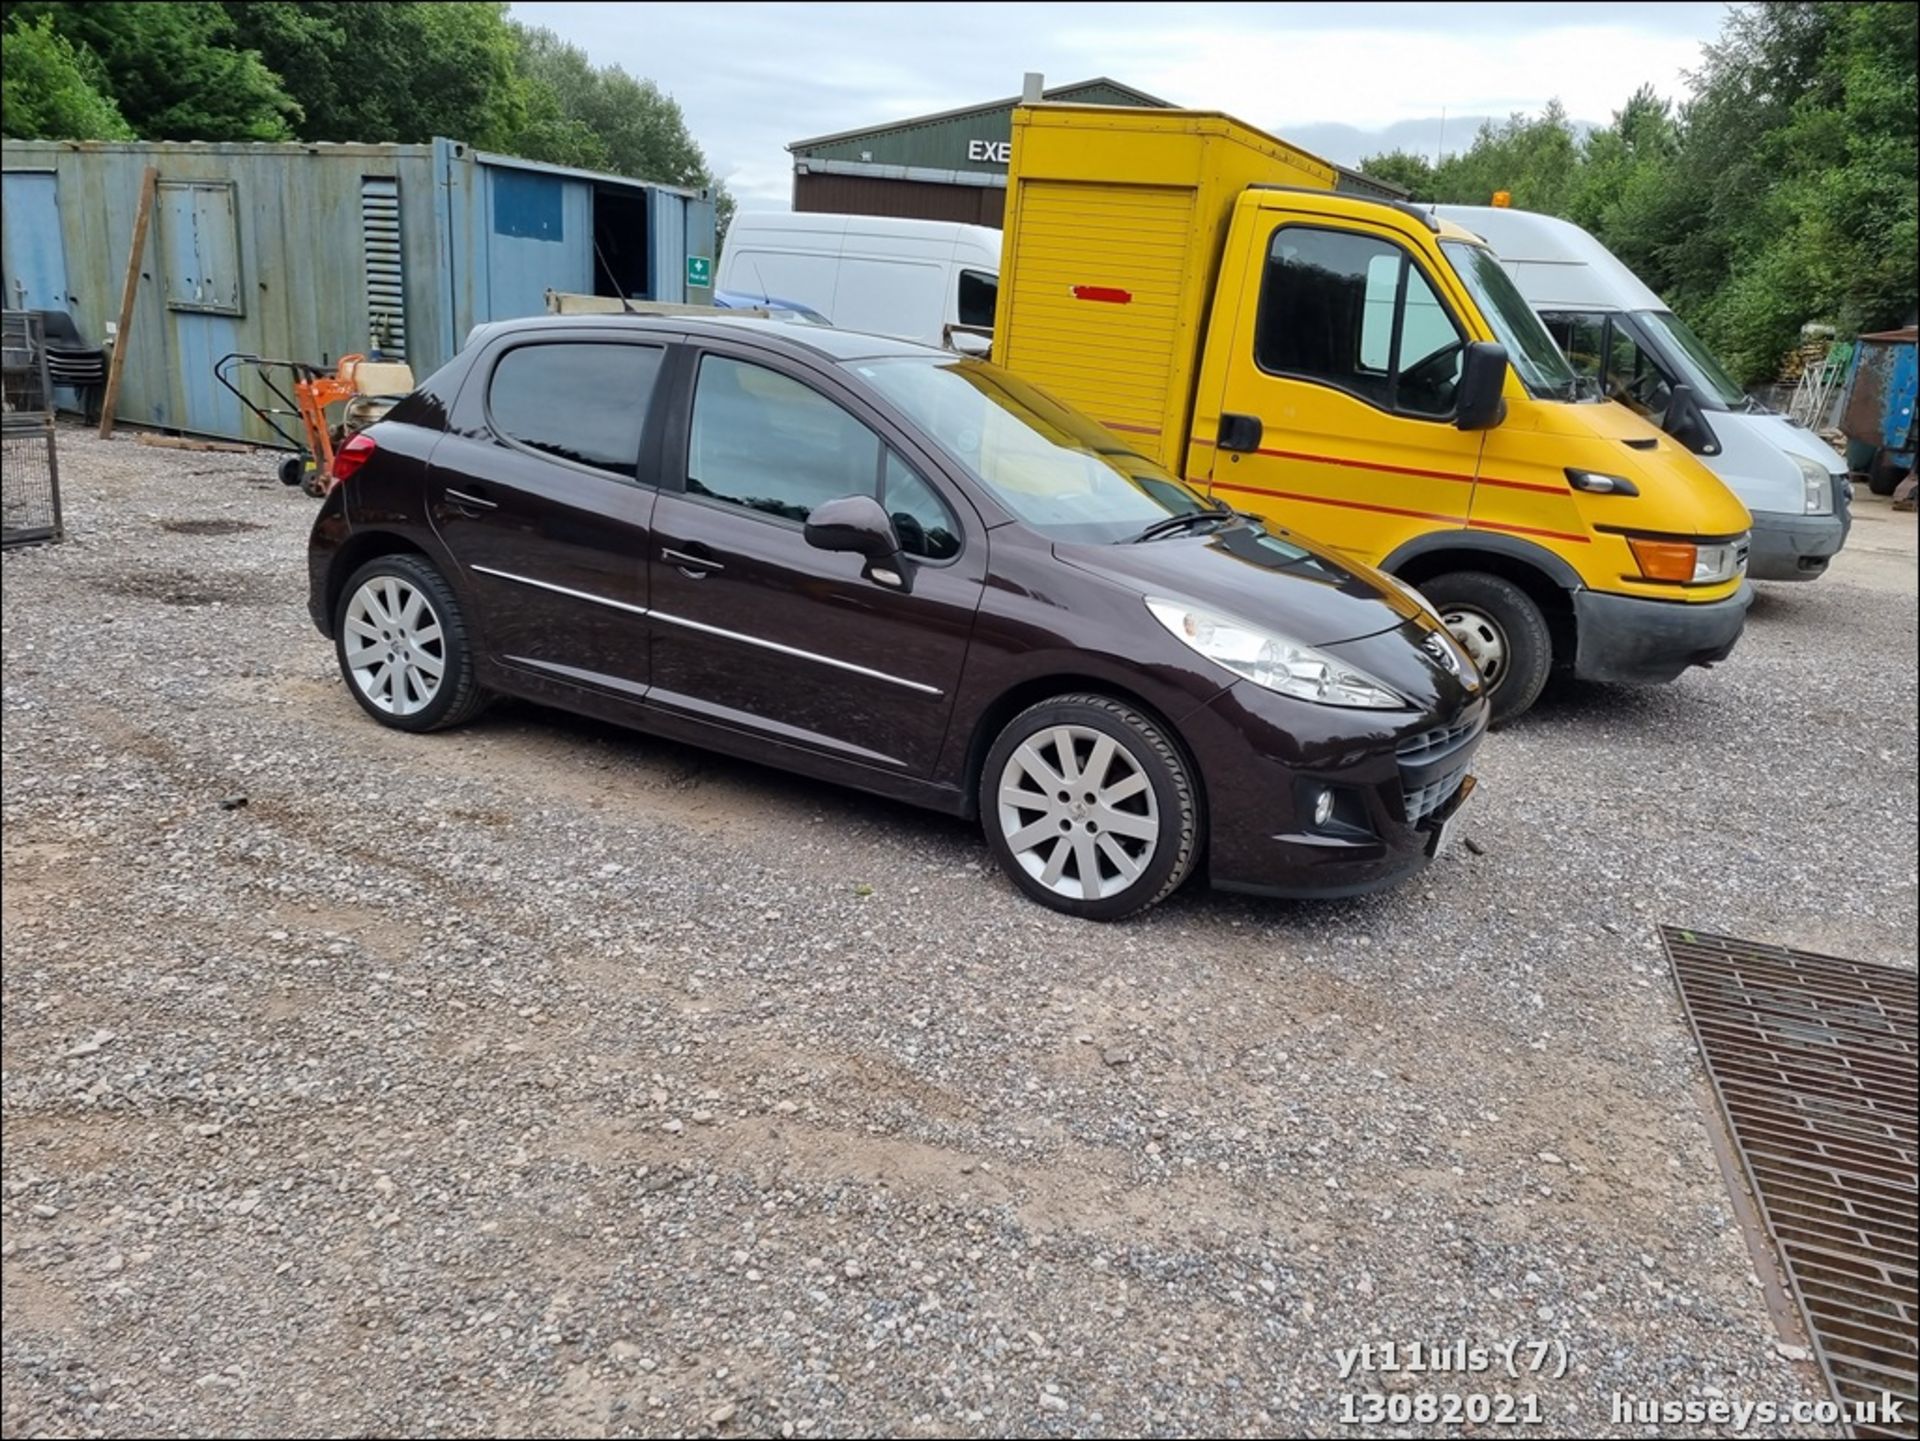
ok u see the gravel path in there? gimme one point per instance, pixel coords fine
(546, 1078)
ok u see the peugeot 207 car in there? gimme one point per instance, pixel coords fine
(901, 570)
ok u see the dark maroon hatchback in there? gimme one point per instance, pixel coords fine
(904, 571)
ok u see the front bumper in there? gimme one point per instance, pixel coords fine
(1625, 638)
(1798, 547)
(1394, 781)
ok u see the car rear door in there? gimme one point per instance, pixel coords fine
(759, 632)
(544, 490)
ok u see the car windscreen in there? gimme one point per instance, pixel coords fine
(1689, 355)
(1049, 465)
(1535, 358)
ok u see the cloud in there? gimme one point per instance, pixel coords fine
(752, 78)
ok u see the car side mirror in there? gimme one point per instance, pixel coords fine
(1483, 375)
(969, 342)
(1686, 422)
(858, 523)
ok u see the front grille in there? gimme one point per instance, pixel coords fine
(1423, 801)
(1434, 762)
(1417, 750)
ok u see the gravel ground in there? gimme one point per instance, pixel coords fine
(546, 1078)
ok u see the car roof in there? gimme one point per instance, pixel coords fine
(834, 345)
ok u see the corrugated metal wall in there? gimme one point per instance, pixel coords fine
(291, 251)
(254, 248)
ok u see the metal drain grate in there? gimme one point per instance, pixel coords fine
(1814, 1061)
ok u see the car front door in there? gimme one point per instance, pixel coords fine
(1349, 360)
(759, 632)
(544, 490)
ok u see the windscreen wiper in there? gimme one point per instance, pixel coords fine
(1174, 523)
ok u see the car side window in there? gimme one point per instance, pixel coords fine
(764, 441)
(979, 292)
(926, 527)
(584, 402)
(1354, 312)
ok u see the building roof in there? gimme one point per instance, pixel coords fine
(1053, 92)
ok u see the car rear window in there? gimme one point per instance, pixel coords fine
(584, 402)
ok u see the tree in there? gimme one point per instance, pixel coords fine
(172, 69)
(1410, 172)
(392, 72)
(52, 89)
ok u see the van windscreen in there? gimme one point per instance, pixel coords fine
(1535, 358)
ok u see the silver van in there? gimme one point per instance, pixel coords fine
(1618, 332)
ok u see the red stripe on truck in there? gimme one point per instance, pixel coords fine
(1112, 295)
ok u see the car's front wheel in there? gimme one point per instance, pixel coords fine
(1089, 807)
(402, 644)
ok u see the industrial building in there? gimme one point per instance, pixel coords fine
(953, 165)
(312, 251)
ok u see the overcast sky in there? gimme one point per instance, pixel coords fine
(752, 78)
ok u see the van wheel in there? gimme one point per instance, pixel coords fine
(1497, 624)
(1089, 807)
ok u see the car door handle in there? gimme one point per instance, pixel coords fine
(690, 563)
(470, 504)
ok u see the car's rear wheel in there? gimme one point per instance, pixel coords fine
(402, 644)
(1501, 628)
(1089, 807)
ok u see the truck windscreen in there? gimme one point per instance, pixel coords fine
(1535, 358)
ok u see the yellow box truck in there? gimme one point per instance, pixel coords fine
(1368, 376)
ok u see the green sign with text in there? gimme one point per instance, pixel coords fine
(699, 270)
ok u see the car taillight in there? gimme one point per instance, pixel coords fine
(351, 456)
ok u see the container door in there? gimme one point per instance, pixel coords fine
(669, 226)
(35, 256)
(1349, 357)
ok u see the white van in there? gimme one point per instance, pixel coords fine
(914, 279)
(1618, 332)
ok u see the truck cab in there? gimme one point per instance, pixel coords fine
(1622, 337)
(1366, 375)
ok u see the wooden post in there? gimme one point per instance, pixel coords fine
(148, 184)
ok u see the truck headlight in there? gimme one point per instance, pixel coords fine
(1819, 485)
(1687, 562)
(1276, 662)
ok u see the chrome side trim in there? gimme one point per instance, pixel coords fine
(585, 677)
(561, 589)
(845, 665)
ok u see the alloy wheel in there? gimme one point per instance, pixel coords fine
(396, 650)
(1077, 812)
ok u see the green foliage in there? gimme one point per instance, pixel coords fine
(1783, 192)
(380, 72)
(173, 70)
(338, 70)
(52, 89)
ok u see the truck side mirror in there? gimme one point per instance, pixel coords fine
(1686, 422)
(1483, 375)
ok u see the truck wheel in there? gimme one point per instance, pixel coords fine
(1497, 624)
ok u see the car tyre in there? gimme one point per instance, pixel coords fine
(401, 640)
(1090, 807)
(1497, 624)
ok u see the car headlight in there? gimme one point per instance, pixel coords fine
(1687, 562)
(1274, 661)
(1819, 485)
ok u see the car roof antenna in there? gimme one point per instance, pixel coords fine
(613, 280)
